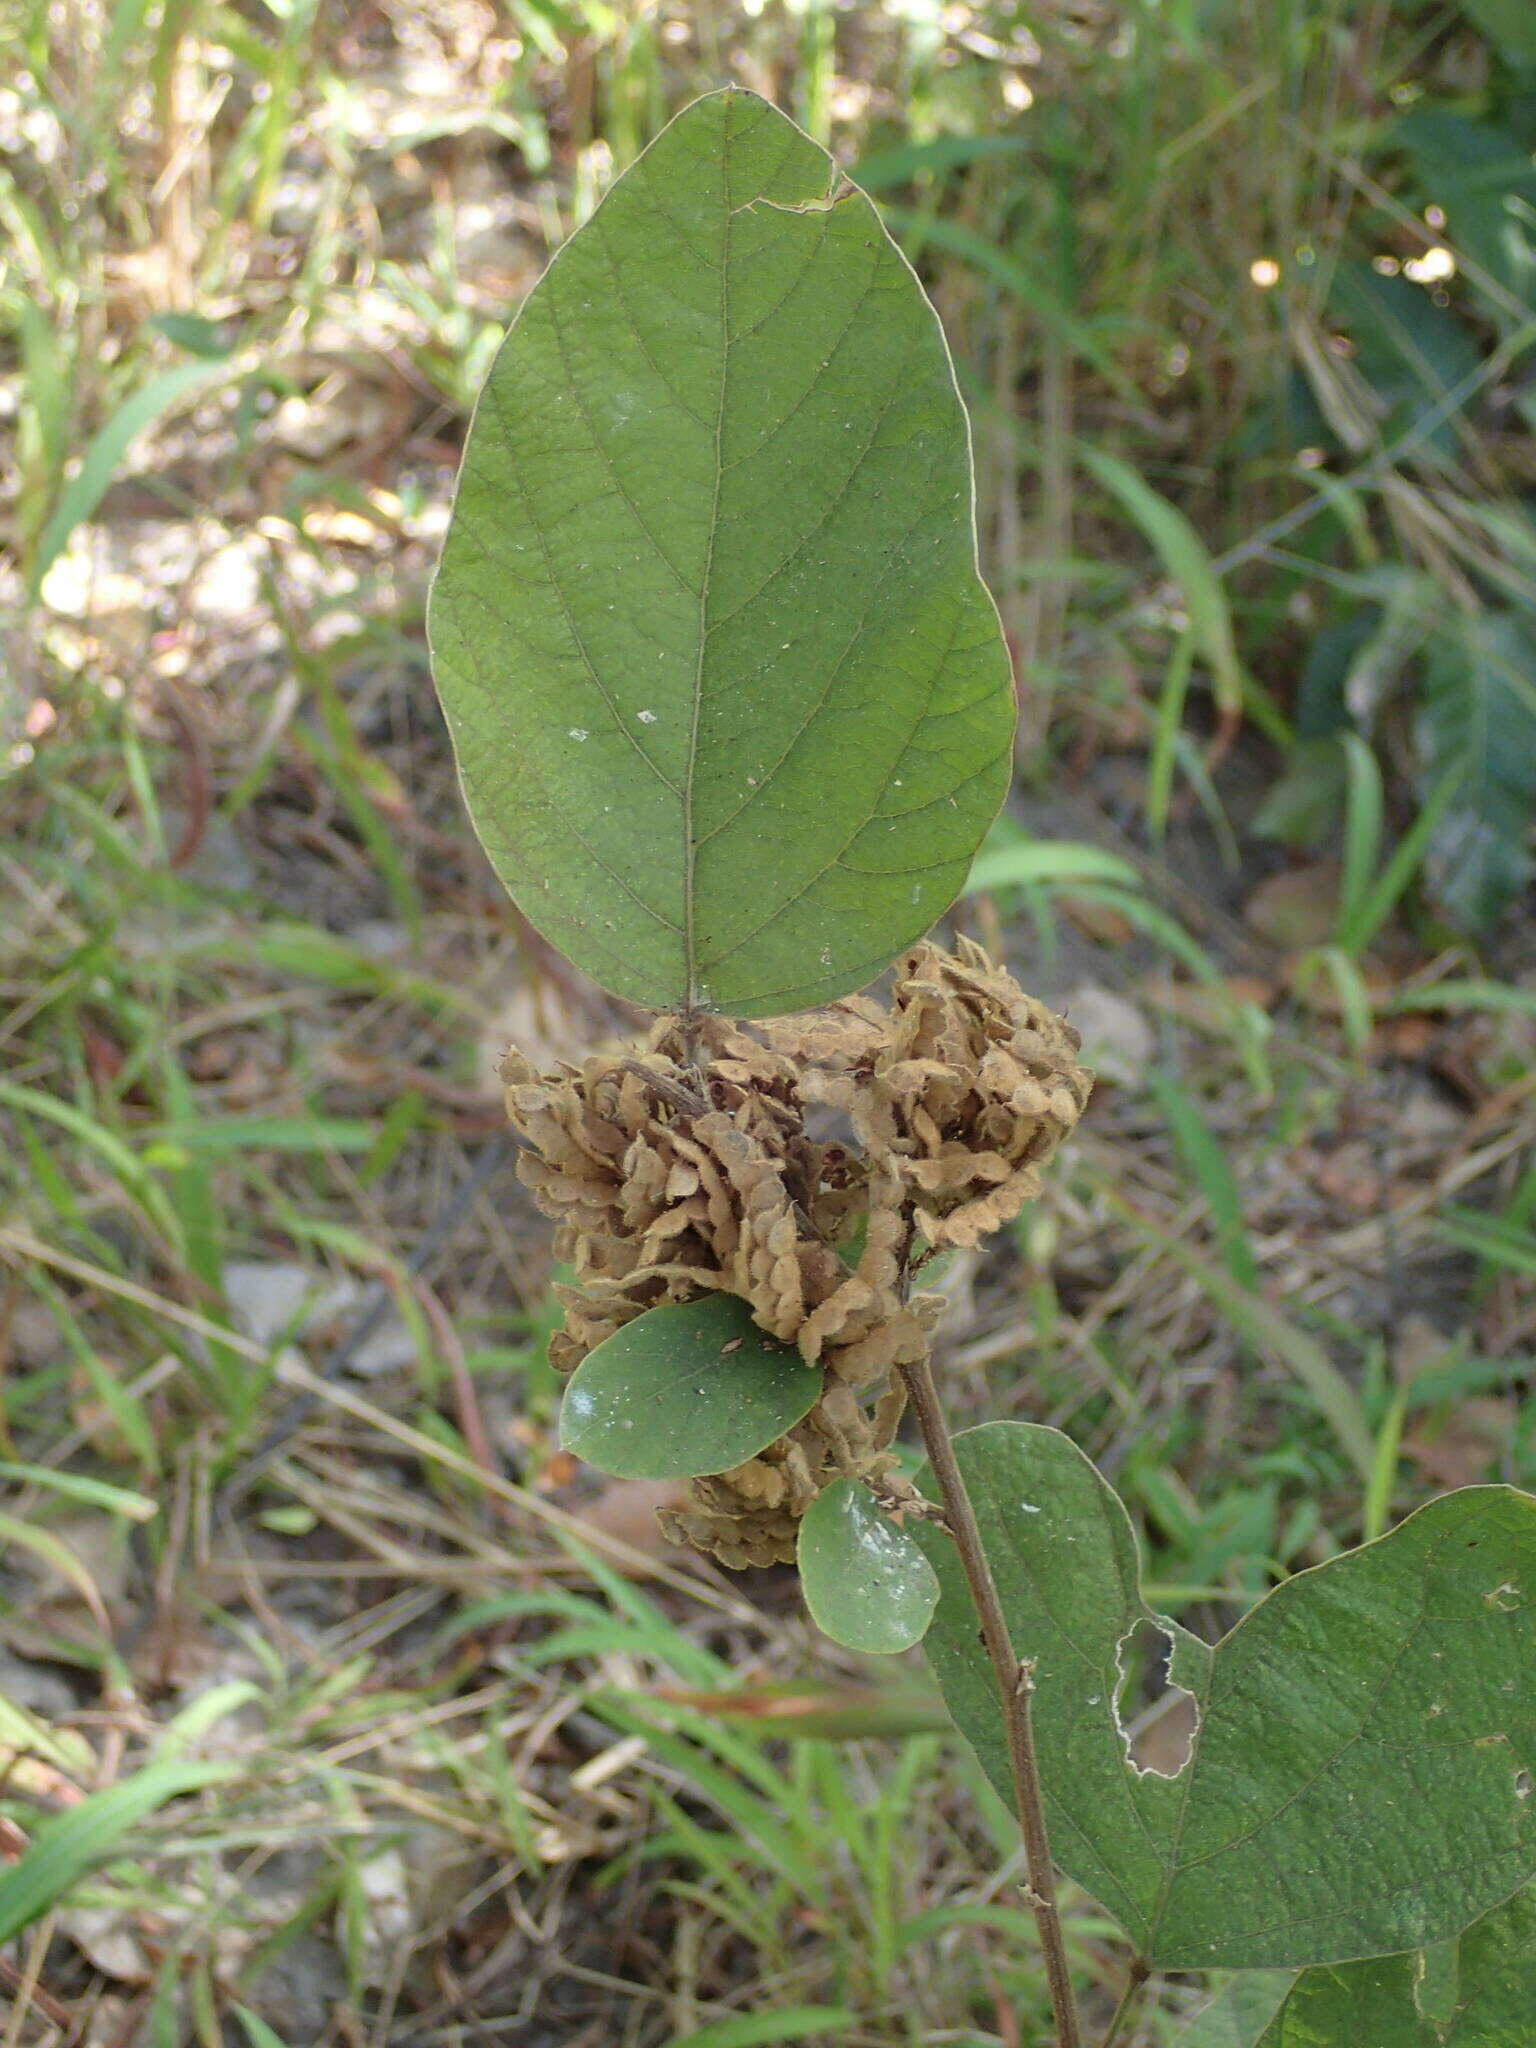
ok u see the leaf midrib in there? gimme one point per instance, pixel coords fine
(690, 849)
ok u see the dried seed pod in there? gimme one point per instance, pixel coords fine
(972, 1090)
(684, 1164)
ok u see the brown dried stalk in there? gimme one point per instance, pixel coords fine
(1015, 1684)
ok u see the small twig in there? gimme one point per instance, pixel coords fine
(1129, 1998)
(1015, 1684)
(690, 1020)
(30, 1990)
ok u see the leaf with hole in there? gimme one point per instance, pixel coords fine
(867, 1584)
(730, 703)
(683, 1391)
(1359, 1781)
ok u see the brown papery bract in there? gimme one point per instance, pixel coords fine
(674, 1168)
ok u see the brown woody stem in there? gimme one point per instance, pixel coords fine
(1015, 1683)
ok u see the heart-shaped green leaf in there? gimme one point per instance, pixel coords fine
(867, 1584)
(682, 1391)
(1360, 1778)
(1381, 2004)
(730, 702)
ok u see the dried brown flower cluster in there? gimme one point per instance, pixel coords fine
(670, 1176)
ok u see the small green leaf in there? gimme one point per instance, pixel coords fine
(199, 337)
(1489, 2003)
(684, 1391)
(867, 1584)
(731, 705)
(1360, 1777)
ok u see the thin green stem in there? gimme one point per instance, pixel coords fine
(1015, 1685)
(1129, 1999)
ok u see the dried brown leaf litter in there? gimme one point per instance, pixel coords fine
(669, 1176)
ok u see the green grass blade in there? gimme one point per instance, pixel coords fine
(751, 2030)
(1187, 560)
(1362, 833)
(1273, 1332)
(88, 487)
(1208, 1163)
(68, 1848)
(1030, 861)
(1359, 924)
(94, 1493)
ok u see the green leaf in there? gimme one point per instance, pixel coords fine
(1437, 1981)
(683, 1391)
(1204, 1156)
(1021, 862)
(199, 337)
(1413, 354)
(1375, 2003)
(1509, 25)
(1358, 1783)
(1239, 2012)
(867, 1584)
(1480, 171)
(730, 703)
(1492, 996)
(904, 161)
(66, 1849)
(257, 2032)
(1479, 707)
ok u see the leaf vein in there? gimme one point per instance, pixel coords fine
(834, 504)
(603, 453)
(554, 803)
(516, 469)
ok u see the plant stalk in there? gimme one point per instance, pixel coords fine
(1015, 1684)
(1129, 1998)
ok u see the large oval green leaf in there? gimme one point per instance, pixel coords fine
(730, 703)
(865, 1581)
(684, 1391)
(1361, 1777)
